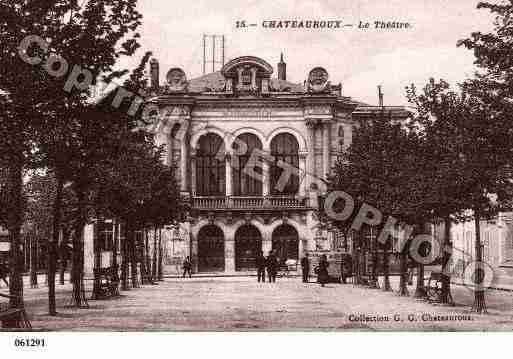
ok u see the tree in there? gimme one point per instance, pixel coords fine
(381, 168)
(469, 138)
(438, 109)
(485, 141)
(488, 99)
(91, 35)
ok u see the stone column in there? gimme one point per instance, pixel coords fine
(229, 252)
(193, 172)
(184, 158)
(239, 76)
(310, 159)
(193, 249)
(302, 174)
(228, 172)
(253, 78)
(267, 244)
(326, 150)
(163, 138)
(266, 177)
(301, 247)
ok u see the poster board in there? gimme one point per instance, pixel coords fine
(5, 246)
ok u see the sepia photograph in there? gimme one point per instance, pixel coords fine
(255, 167)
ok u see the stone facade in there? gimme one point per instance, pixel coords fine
(243, 100)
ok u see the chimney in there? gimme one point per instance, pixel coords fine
(282, 69)
(380, 96)
(154, 72)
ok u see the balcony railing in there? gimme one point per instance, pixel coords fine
(247, 202)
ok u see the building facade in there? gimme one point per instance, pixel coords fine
(496, 236)
(252, 153)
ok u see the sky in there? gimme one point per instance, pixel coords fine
(359, 59)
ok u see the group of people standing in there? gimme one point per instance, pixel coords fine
(321, 270)
(269, 263)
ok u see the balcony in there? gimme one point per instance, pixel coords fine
(249, 203)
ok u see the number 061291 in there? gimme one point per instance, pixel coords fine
(29, 342)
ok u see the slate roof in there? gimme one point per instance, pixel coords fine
(216, 81)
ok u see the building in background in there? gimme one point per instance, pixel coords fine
(496, 239)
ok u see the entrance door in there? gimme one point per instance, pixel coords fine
(248, 244)
(211, 249)
(286, 243)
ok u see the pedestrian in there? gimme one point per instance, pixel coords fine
(187, 266)
(305, 267)
(322, 270)
(260, 264)
(343, 266)
(272, 266)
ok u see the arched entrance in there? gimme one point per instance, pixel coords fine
(285, 243)
(248, 244)
(210, 249)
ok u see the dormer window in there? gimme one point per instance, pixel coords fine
(247, 75)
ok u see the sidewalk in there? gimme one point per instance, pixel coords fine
(501, 282)
(240, 303)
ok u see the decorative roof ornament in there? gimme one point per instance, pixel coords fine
(318, 80)
(176, 80)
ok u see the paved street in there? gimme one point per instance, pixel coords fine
(240, 303)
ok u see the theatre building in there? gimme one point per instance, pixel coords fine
(252, 151)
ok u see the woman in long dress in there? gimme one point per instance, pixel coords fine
(322, 270)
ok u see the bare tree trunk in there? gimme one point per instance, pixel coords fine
(14, 222)
(79, 299)
(63, 256)
(115, 246)
(97, 260)
(159, 267)
(374, 283)
(403, 289)
(479, 305)
(124, 260)
(154, 266)
(446, 296)
(386, 268)
(52, 246)
(144, 270)
(420, 289)
(356, 259)
(33, 262)
(133, 259)
(147, 259)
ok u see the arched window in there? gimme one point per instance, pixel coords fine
(210, 166)
(284, 148)
(244, 183)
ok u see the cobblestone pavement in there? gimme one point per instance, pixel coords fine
(240, 303)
